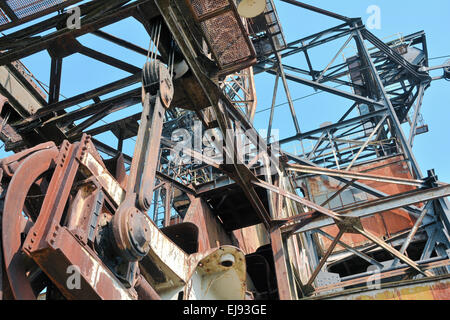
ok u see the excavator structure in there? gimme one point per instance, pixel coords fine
(207, 207)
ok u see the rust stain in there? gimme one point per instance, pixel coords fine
(384, 224)
(429, 291)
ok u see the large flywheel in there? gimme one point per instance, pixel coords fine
(24, 195)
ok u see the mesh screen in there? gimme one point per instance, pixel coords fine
(226, 38)
(3, 18)
(228, 41)
(202, 7)
(24, 8)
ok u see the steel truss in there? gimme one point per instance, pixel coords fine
(384, 89)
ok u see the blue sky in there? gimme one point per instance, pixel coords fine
(405, 17)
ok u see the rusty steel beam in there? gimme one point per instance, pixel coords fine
(325, 258)
(61, 252)
(115, 103)
(369, 190)
(105, 179)
(175, 183)
(413, 231)
(362, 255)
(340, 219)
(55, 80)
(98, 169)
(89, 95)
(167, 205)
(371, 207)
(335, 91)
(298, 199)
(67, 165)
(281, 271)
(318, 10)
(393, 251)
(108, 60)
(353, 175)
(144, 290)
(343, 123)
(88, 26)
(120, 42)
(363, 280)
(55, 247)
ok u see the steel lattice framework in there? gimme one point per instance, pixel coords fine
(310, 228)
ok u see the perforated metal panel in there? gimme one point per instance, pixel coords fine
(226, 38)
(202, 7)
(225, 33)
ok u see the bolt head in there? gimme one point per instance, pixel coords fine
(139, 231)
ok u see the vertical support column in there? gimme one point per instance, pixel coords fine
(281, 269)
(272, 109)
(325, 258)
(288, 93)
(55, 80)
(417, 108)
(444, 206)
(2, 202)
(167, 205)
(1, 246)
(120, 141)
(413, 231)
(385, 99)
(155, 204)
(442, 252)
(311, 249)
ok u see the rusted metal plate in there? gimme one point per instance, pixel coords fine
(412, 290)
(184, 235)
(164, 254)
(106, 180)
(211, 232)
(13, 87)
(219, 274)
(7, 133)
(252, 238)
(384, 224)
(84, 210)
(62, 251)
(361, 284)
(167, 257)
